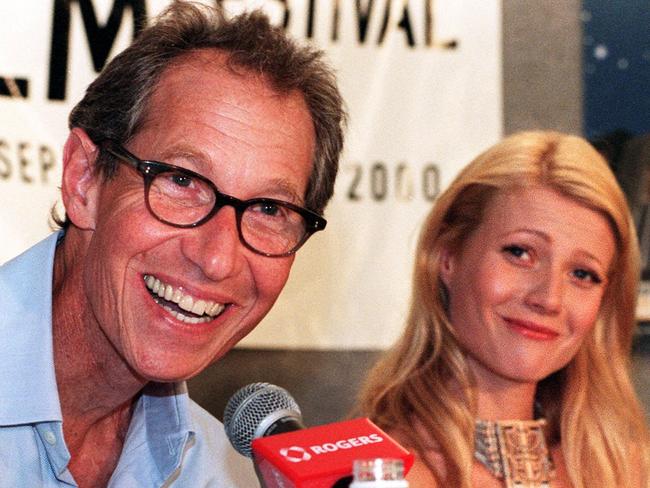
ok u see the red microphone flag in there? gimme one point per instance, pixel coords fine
(318, 457)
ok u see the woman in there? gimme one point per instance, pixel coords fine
(513, 369)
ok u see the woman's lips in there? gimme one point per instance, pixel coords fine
(531, 330)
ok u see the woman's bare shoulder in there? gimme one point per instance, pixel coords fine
(419, 476)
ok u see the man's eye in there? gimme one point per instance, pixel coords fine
(181, 180)
(269, 209)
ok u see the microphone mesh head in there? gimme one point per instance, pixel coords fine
(248, 408)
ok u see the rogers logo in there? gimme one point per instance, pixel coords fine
(346, 443)
(295, 454)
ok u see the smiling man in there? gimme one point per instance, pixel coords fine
(197, 164)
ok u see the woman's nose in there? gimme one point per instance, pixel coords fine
(545, 292)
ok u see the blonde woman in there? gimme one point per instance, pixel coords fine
(513, 369)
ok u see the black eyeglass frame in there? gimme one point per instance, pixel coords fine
(150, 169)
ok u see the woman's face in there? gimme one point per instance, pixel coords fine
(527, 285)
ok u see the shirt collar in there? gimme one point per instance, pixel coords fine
(162, 419)
(28, 389)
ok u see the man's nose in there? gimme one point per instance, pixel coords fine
(215, 246)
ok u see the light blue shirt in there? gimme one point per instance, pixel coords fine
(171, 440)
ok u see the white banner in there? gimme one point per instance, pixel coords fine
(422, 82)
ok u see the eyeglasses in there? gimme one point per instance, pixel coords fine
(182, 198)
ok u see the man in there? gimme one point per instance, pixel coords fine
(187, 175)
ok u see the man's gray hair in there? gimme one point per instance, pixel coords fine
(115, 104)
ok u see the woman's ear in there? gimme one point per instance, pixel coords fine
(446, 265)
(80, 182)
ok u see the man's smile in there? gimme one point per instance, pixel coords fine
(180, 305)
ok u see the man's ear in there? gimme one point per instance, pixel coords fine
(80, 183)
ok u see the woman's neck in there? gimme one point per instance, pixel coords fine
(500, 398)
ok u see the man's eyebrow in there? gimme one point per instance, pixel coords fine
(196, 157)
(282, 189)
(279, 188)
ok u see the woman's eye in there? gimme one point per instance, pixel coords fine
(586, 275)
(516, 251)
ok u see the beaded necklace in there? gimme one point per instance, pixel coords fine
(515, 451)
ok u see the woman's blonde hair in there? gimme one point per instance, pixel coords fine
(590, 404)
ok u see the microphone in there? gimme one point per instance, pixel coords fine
(259, 410)
(263, 422)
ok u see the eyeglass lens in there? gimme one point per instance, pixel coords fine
(268, 227)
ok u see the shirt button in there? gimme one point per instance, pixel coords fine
(50, 438)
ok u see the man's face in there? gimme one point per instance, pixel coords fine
(251, 142)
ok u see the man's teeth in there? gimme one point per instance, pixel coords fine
(184, 301)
